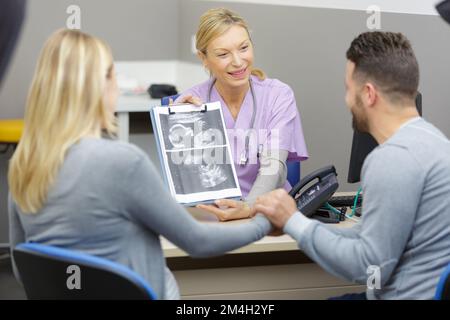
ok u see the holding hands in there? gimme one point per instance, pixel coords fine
(278, 206)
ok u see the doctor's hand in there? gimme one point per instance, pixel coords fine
(278, 206)
(226, 209)
(189, 98)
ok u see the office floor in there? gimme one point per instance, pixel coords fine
(10, 289)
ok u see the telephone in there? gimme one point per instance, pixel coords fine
(312, 198)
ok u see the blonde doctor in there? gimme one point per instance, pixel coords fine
(261, 115)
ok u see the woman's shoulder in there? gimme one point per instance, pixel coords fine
(199, 89)
(104, 150)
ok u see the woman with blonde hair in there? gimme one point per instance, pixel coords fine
(261, 116)
(70, 187)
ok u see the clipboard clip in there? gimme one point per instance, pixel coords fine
(203, 110)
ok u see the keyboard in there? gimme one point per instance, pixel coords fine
(345, 201)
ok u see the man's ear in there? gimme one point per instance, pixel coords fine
(370, 94)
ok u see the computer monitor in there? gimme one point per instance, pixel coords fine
(363, 144)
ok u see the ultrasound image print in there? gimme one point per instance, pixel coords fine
(184, 130)
(209, 174)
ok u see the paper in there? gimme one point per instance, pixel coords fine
(195, 152)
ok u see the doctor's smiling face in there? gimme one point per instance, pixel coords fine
(229, 57)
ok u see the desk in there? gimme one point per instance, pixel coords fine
(127, 104)
(271, 268)
(267, 244)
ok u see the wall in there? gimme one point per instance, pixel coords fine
(132, 28)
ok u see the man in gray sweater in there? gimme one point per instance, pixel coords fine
(402, 243)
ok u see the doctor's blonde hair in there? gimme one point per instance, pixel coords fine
(215, 22)
(65, 103)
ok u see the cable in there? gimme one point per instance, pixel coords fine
(355, 202)
(331, 208)
(353, 219)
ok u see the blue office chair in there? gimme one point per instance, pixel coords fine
(443, 287)
(293, 172)
(48, 273)
(293, 167)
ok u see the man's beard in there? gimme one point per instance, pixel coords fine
(359, 121)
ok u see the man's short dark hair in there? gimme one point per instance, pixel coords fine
(387, 59)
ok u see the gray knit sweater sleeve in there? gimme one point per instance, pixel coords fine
(271, 175)
(149, 202)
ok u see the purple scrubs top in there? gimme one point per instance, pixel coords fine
(277, 125)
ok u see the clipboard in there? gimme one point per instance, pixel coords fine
(195, 153)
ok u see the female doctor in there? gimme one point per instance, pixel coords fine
(261, 116)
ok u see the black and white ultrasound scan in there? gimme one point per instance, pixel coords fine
(195, 153)
(186, 130)
(200, 170)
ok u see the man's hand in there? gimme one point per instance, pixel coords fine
(278, 206)
(226, 209)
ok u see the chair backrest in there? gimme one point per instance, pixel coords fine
(166, 100)
(293, 172)
(49, 272)
(443, 287)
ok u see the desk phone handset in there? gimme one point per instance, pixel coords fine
(312, 198)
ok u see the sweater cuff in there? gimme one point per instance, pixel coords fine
(263, 222)
(297, 225)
